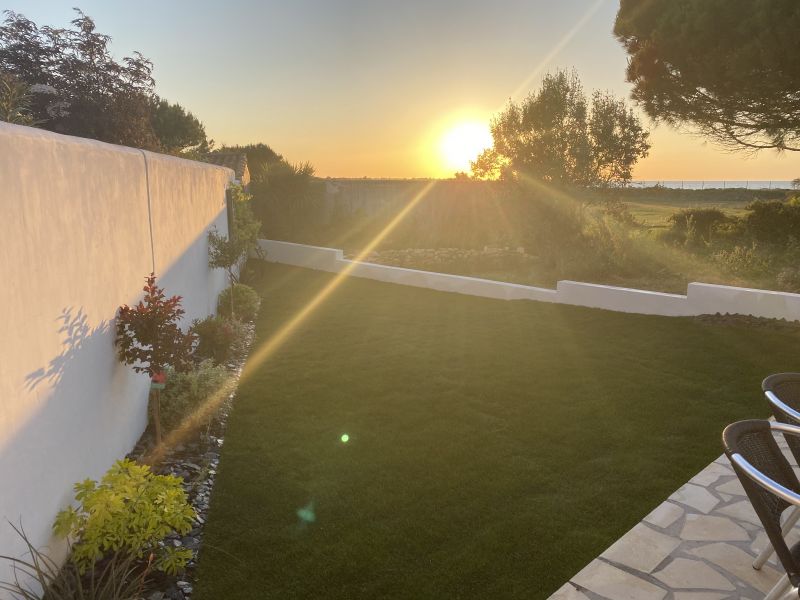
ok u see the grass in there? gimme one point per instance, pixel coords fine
(656, 212)
(494, 447)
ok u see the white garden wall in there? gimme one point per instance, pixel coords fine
(76, 244)
(701, 298)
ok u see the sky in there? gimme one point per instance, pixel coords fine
(373, 87)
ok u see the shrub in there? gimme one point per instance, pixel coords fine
(744, 260)
(694, 226)
(772, 222)
(128, 512)
(788, 279)
(246, 302)
(185, 392)
(219, 339)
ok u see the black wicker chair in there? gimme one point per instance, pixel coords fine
(772, 487)
(782, 391)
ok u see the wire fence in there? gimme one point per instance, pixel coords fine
(719, 185)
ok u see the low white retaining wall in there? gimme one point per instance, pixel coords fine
(701, 298)
(83, 223)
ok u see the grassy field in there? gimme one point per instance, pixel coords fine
(656, 213)
(494, 447)
(654, 206)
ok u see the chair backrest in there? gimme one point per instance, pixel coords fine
(753, 441)
(783, 393)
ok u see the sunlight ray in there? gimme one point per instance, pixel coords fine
(537, 71)
(272, 344)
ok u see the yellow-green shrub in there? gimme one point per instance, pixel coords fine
(128, 512)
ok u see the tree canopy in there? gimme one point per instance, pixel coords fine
(728, 68)
(558, 136)
(75, 86)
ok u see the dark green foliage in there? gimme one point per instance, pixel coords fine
(79, 89)
(84, 91)
(287, 200)
(773, 222)
(259, 157)
(178, 130)
(557, 136)
(478, 429)
(727, 67)
(245, 299)
(231, 252)
(694, 226)
(219, 339)
(185, 392)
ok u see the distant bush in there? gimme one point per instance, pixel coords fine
(772, 222)
(184, 392)
(219, 339)
(695, 226)
(246, 302)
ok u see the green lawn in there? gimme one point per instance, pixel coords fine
(494, 447)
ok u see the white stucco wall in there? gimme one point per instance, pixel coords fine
(76, 244)
(701, 298)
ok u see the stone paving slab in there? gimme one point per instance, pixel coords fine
(699, 544)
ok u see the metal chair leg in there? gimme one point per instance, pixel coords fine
(764, 555)
(781, 590)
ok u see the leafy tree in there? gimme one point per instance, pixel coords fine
(89, 93)
(259, 157)
(728, 68)
(796, 183)
(149, 338)
(77, 88)
(178, 131)
(229, 252)
(558, 136)
(15, 101)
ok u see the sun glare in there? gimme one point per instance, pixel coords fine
(463, 143)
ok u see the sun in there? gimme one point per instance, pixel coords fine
(462, 144)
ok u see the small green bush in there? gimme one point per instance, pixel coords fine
(128, 512)
(184, 392)
(219, 339)
(772, 222)
(695, 226)
(246, 302)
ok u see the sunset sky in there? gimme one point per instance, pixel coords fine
(372, 87)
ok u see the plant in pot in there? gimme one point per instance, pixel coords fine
(150, 340)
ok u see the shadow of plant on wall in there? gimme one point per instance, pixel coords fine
(76, 330)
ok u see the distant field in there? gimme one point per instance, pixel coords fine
(655, 213)
(654, 206)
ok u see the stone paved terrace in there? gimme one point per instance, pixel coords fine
(699, 544)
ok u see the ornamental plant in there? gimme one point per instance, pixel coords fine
(128, 512)
(150, 339)
(230, 252)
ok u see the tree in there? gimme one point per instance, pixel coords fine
(178, 131)
(86, 92)
(559, 137)
(15, 101)
(230, 252)
(76, 87)
(150, 339)
(259, 157)
(727, 68)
